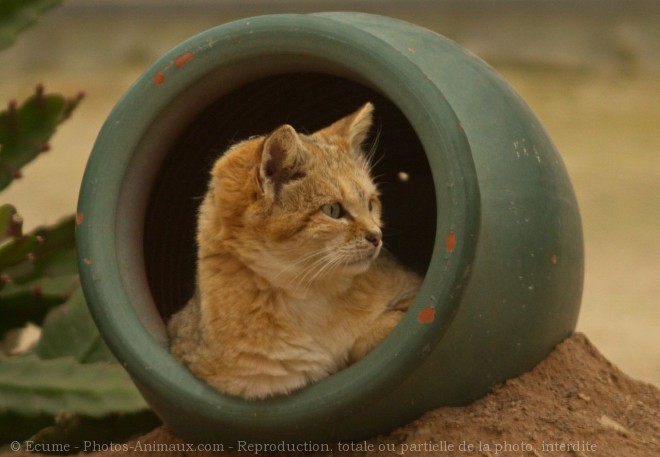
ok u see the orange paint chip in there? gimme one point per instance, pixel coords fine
(80, 217)
(159, 78)
(426, 315)
(87, 261)
(183, 59)
(411, 50)
(450, 242)
(554, 259)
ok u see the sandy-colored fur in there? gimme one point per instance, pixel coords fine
(287, 294)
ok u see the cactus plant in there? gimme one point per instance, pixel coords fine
(37, 270)
(68, 385)
(63, 384)
(25, 130)
(17, 15)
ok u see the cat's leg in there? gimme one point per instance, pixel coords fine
(380, 328)
(184, 331)
(375, 334)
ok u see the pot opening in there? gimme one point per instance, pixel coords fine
(308, 101)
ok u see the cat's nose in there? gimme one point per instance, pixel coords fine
(374, 237)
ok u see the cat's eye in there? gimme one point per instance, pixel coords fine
(371, 205)
(334, 210)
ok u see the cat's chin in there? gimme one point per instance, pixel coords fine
(358, 266)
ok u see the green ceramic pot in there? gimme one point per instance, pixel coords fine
(476, 198)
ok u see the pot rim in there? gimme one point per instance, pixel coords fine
(307, 43)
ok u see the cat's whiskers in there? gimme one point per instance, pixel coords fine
(334, 261)
(318, 265)
(326, 265)
(298, 262)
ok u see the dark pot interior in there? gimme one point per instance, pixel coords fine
(308, 101)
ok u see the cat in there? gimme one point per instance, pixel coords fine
(293, 283)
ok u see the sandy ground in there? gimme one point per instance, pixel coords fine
(605, 124)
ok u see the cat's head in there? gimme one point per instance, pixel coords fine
(302, 208)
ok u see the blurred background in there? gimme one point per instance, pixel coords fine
(590, 69)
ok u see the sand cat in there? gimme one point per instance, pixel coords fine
(293, 281)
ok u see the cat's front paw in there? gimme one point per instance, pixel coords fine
(375, 334)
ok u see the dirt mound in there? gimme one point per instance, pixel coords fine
(574, 403)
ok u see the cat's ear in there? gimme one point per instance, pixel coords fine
(354, 127)
(281, 160)
(359, 126)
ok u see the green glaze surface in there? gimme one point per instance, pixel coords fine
(505, 278)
